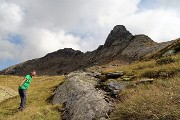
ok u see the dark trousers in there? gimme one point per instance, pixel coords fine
(22, 94)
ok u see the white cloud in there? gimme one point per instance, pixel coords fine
(8, 50)
(116, 10)
(46, 26)
(11, 16)
(160, 24)
(41, 41)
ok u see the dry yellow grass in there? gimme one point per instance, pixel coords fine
(38, 95)
(141, 68)
(160, 100)
(157, 101)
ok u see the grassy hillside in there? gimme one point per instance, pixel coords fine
(160, 100)
(38, 95)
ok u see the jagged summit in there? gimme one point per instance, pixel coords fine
(119, 29)
(120, 45)
(118, 35)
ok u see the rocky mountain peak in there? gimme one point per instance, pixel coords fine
(117, 36)
(119, 29)
(120, 45)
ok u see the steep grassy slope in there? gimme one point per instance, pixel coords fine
(175, 46)
(160, 100)
(38, 95)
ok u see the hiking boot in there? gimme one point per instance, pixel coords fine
(20, 109)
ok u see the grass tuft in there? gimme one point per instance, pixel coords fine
(152, 102)
(165, 60)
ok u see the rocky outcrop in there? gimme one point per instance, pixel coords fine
(119, 37)
(81, 99)
(6, 93)
(166, 48)
(120, 45)
(139, 46)
(92, 95)
(114, 75)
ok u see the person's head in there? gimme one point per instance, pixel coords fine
(33, 73)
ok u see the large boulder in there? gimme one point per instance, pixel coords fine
(6, 93)
(81, 99)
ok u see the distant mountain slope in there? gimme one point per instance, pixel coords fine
(120, 45)
(170, 49)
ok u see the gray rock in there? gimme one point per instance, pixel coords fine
(164, 74)
(6, 93)
(114, 74)
(142, 45)
(116, 87)
(170, 52)
(145, 81)
(126, 79)
(82, 101)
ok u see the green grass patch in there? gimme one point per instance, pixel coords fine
(151, 69)
(165, 60)
(38, 106)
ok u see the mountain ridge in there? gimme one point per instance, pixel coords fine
(120, 45)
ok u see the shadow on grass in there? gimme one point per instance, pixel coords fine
(50, 98)
(8, 108)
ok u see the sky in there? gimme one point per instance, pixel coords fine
(30, 29)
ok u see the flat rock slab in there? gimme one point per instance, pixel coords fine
(81, 100)
(6, 93)
(114, 75)
(145, 81)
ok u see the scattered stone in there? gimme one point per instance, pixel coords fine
(116, 87)
(170, 52)
(112, 87)
(98, 75)
(114, 75)
(145, 81)
(126, 79)
(115, 65)
(163, 74)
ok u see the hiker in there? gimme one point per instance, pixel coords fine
(23, 88)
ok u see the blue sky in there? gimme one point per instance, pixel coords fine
(15, 38)
(30, 29)
(148, 4)
(7, 63)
